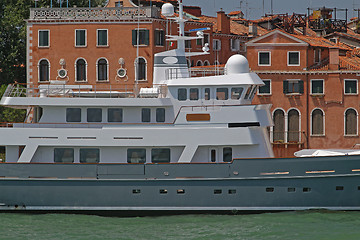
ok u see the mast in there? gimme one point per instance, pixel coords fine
(181, 42)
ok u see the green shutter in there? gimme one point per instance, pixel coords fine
(146, 37)
(301, 86)
(285, 86)
(134, 37)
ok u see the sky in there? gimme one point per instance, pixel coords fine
(255, 9)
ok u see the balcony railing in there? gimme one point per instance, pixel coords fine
(116, 13)
(287, 137)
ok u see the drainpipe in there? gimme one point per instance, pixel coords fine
(307, 100)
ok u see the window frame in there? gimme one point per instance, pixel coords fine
(216, 44)
(160, 149)
(357, 86)
(157, 38)
(311, 123)
(147, 37)
(88, 110)
(86, 70)
(259, 53)
(288, 58)
(49, 67)
(142, 157)
(311, 87)
(65, 148)
(226, 93)
(143, 112)
(82, 150)
(97, 37)
(97, 70)
(186, 94)
(137, 64)
(357, 123)
(80, 46)
(44, 30)
(300, 86)
(270, 88)
(108, 115)
(160, 115)
(66, 115)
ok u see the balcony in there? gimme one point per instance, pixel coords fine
(100, 13)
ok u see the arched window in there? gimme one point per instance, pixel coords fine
(44, 70)
(279, 125)
(293, 126)
(206, 63)
(216, 62)
(80, 67)
(317, 122)
(350, 122)
(140, 68)
(102, 70)
(199, 63)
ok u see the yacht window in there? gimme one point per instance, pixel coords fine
(160, 115)
(182, 96)
(145, 114)
(253, 92)
(207, 94)
(136, 155)
(94, 114)
(73, 115)
(222, 94)
(248, 92)
(213, 155)
(89, 155)
(115, 115)
(64, 155)
(160, 155)
(227, 154)
(194, 94)
(236, 93)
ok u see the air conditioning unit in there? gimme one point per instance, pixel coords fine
(62, 73)
(121, 72)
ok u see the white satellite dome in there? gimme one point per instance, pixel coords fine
(237, 64)
(167, 10)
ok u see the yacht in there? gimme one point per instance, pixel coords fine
(188, 144)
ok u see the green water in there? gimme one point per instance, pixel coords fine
(287, 225)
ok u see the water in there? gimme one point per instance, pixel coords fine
(286, 225)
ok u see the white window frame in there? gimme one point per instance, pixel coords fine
(164, 43)
(85, 38)
(216, 44)
(288, 58)
(208, 63)
(357, 87)
(258, 93)
(97, 38)
(38, 66)
(43, 30)
(86, 69)
(357, 123)
(317, 135)
(323, 87)
(202, 64)
(259, 58)
(107, 69)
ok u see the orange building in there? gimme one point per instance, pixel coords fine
(312, 84)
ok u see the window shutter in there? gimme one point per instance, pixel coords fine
(301, 86)
(285, 86)
(134, 37)
(146, 37)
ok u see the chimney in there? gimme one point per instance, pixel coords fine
(223, 23)
(334, 58)
(252, 29)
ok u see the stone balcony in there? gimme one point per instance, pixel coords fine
(99, 13)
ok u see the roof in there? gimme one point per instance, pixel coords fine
(235, 13)
(320, 42)
(349, 63)
(266, 19)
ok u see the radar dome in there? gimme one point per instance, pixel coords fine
(237, 64)
(167, 10)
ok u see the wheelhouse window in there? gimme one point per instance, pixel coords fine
(236, 93)
(222, 94)
(351, 122)
(293, 58)
(80, 38)
(143, 38)
(317, 122)
(264, 59)
(266, 89)
(182, 94)
(94, 114)
(73, 115)
(207, 94)
(140, 68)
(115, 115)
(351, 86)
(293, 86)
(44, 70)
(136, 155)
(194, 94)
(44, 37)
(160, 155)
(160, 115)
(227, 154)
(80, 70)
(63, 155)
(145, 114)
(159, 38)
(102, 70)
(102, 38)
(317, 87)
(89, 155)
